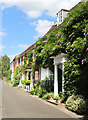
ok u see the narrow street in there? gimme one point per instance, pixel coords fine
(17, 103)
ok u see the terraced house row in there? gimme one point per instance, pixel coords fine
(39, 72)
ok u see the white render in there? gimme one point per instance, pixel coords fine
(45, 72)
(23, 76)
(20, 82)
(55, 80)
(23, 60)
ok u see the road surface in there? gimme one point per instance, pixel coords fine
(17, 103)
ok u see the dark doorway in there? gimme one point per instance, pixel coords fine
(59, 80)
(29, 77)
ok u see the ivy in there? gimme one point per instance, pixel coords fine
(71, 38)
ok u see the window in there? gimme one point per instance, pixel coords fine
(60, 17)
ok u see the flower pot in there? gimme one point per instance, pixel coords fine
(50, 98)
(59, 100)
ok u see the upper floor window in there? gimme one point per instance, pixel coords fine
(60, 17)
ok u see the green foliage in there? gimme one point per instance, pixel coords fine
(57, 97)
(38, 91)
(50, 94)
(32, 92)
(35, 91)
(9, 81)
(4, 66)
(45, 96)
(28, 82)
(15, 83)
(25, 82)
(17, 76)
(76, 103)
(48, 83)
(71, 38)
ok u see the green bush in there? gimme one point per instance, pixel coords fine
(48, 84)
(9, 81)
(50, 94)
(23, 82)
(42, 92)
(76, 103)
(32, 91)
(62, 96)
(35, 91)
(45, 96)
(15, 83)
(26, 82)
(57, 97)
(38, 91)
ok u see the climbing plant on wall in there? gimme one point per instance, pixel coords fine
(71, 38)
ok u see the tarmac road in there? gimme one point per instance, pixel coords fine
(17, 103)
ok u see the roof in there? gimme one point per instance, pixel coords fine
(74, 6)
(51, 29)
(29, 48)
(21, 54)
(63, 10)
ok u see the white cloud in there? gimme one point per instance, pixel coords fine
(42, 26)
(35, 8)
(22, 46)
(11, 56)
(33, 14)
(1, 47)
(2, 33)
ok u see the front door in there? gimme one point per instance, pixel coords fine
(59, 80)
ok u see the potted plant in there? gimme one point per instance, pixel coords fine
(58, 99)
(50, 96)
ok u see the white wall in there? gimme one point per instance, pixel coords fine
(64, 14)
(45, 72)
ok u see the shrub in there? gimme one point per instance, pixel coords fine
(15, 83)
(62, 96)
(48, 83)
(42, 92)
(77, 104)
(9, 81)
(50, 94)
(57, 97)
(45, 96)
(23, 82)
(27, 82)
(32, 91)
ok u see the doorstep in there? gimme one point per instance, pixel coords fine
(52, 101)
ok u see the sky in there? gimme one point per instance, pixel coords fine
(22, 22)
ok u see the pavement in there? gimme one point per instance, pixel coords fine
(17, 103)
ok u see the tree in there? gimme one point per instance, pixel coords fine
(4, 66)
